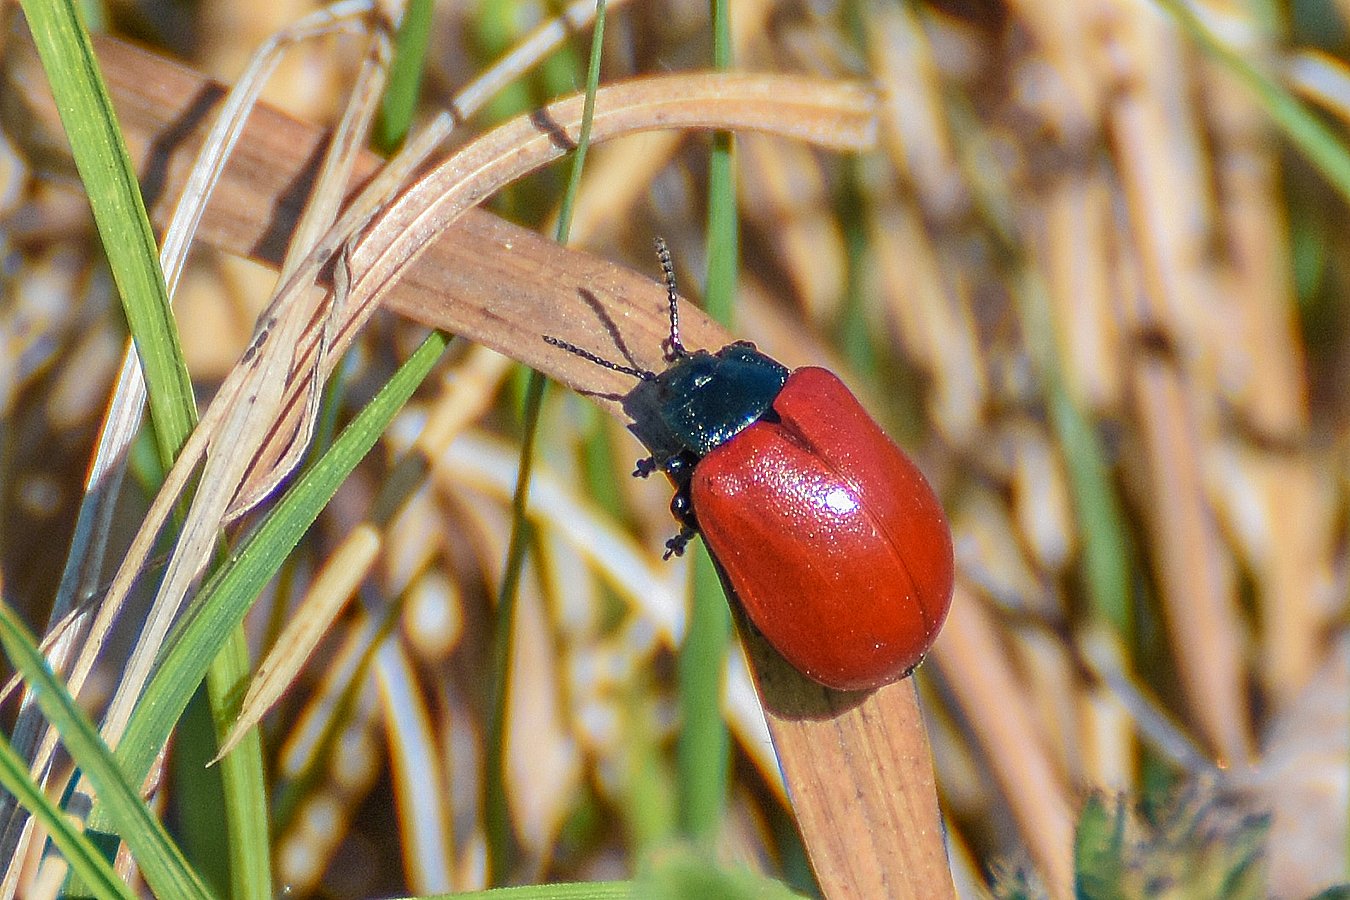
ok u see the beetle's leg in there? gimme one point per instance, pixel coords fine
(675, 546)
(682, 508)
(680, 467)
(677, 467)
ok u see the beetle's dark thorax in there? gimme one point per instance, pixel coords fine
(707, 399)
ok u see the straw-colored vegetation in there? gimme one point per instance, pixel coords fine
(1079, 258)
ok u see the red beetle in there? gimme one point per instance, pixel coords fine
(827, 532)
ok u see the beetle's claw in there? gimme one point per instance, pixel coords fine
(645, 467)
(676, 545)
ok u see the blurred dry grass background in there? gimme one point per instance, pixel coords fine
(1082, 279)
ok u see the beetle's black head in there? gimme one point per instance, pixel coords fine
(701, 399)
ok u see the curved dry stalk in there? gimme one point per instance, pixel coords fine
(833, 115)
(836, 115)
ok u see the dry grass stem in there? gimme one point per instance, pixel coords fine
(1012, 743)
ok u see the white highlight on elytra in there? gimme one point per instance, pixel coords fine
(840, 501)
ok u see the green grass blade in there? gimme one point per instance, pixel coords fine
(584, 136)
(494, 781)
(703, 753)
(224, 601)
(243, 777)
(405, 76)
(501, 849)
(674, 874)
(159, 859)
(85, 860)
(119, 213)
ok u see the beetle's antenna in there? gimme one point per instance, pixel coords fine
(668, 270)
(587, 355)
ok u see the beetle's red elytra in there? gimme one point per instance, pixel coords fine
(829, 535)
